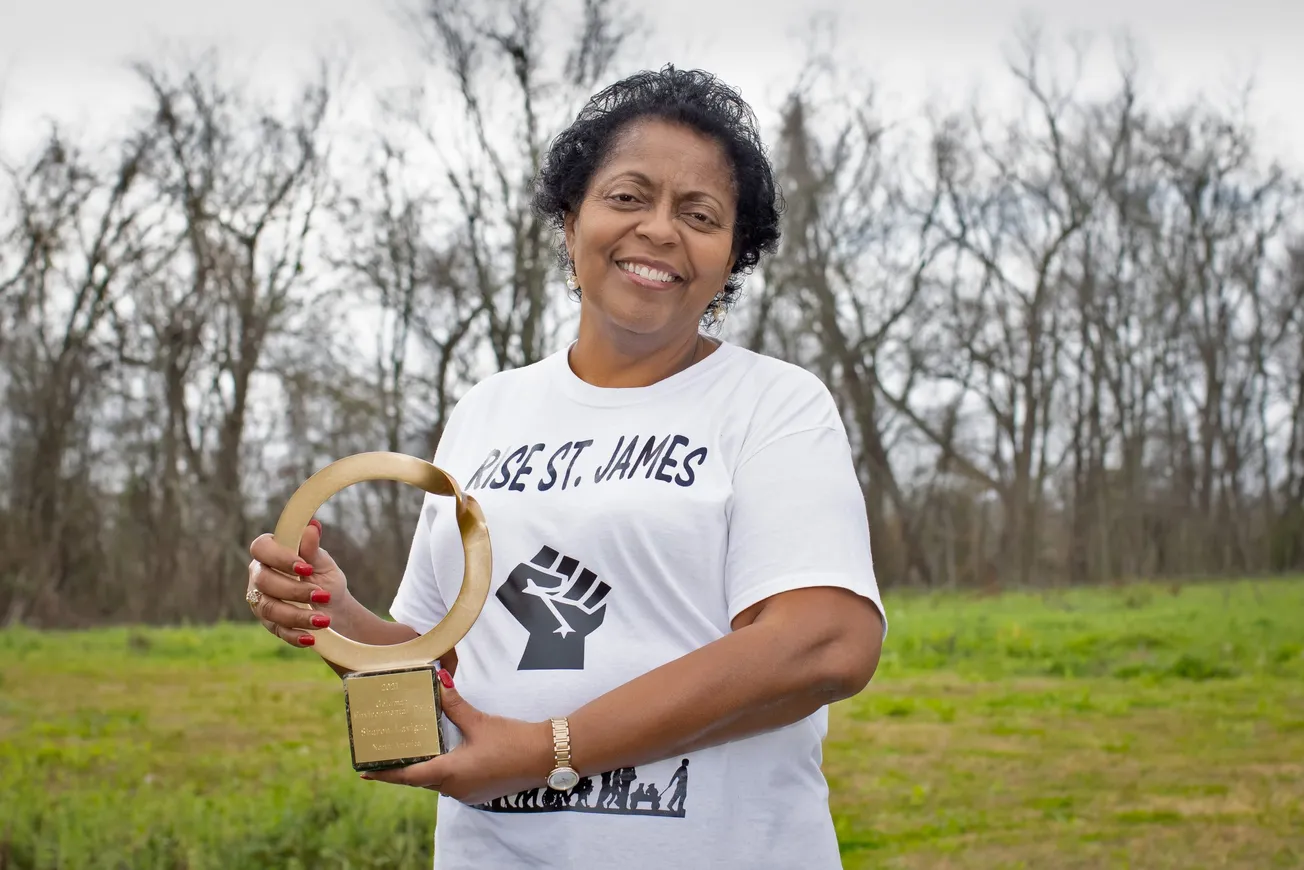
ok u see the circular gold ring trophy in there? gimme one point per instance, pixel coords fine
(391, 695)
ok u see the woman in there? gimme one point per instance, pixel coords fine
(681, 554)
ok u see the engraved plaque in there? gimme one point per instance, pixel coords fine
(393, 717)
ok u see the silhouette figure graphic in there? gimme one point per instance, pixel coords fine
(616, 795)
(625, 776)
(607, 792)
(645, 793)
(558, 606)
(680, 783)
(582, 791)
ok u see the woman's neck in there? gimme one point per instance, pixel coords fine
(635, 362)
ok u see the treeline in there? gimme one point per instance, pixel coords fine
(1068, 342)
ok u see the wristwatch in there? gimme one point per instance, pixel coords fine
(563, 776)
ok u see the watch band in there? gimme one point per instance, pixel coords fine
(561, 748)
(563, 776)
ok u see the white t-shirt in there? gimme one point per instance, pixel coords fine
(629, 527)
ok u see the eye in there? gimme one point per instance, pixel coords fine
(626, 198)
(701, 217)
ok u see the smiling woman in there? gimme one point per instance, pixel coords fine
(678, 143)
(682, 568)
(652, 239)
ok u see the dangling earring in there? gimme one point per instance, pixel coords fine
(718, 312)
(572, 282)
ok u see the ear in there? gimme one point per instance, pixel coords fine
(568, 226)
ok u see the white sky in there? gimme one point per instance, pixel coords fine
(64, 58)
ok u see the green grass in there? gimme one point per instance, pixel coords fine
(1147, 726)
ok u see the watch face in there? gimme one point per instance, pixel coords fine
(563, 779)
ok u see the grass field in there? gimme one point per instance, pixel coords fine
(1148, 726)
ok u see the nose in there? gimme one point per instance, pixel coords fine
(658, 226)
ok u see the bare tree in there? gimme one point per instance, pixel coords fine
(83, 236)
(841, 294)
(1288, 379)
(1219, 217)
(1015, 209)
(244, 183)
(1030, 307)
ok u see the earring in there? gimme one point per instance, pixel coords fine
(572, 282)
(718, 312)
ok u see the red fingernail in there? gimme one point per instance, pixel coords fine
(315, 522)
(321, 621)
(446, 678)
(320, 596)
(303, 569)
(306, 640)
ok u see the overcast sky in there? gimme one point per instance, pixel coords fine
(64, 58)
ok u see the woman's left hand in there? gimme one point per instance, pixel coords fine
(498, 756)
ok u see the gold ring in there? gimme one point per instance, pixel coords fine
(476, 550)
(253, 596)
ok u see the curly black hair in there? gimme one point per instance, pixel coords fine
(697, 100)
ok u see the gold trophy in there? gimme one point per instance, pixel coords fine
(391, 695)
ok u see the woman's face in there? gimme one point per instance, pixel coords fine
(652, 241)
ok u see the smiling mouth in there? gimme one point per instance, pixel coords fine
(647, 273)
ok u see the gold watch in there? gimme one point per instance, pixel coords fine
(563, 776)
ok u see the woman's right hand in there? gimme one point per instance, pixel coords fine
(309, 576)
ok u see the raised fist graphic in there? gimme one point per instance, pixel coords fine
(558, 607)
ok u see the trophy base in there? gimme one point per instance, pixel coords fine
(393, 717)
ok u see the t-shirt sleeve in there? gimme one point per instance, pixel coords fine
(798, 517)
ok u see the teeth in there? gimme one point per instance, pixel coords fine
(644, 272)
